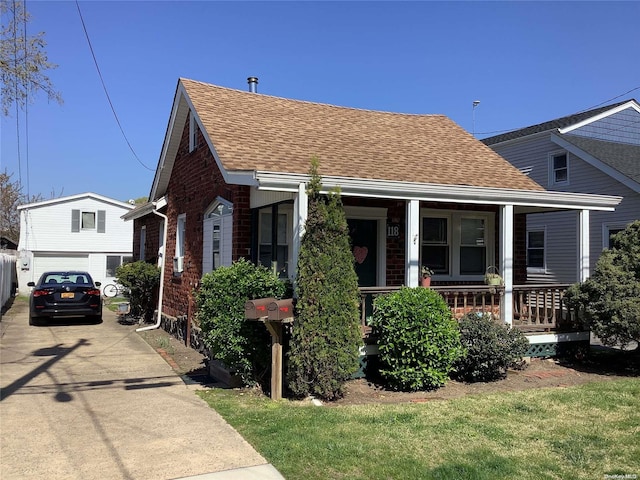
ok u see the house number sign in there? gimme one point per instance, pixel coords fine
(393, 230)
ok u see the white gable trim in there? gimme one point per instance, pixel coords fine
(607, 113)
(182, 105)
(79, 196)
(595, 162)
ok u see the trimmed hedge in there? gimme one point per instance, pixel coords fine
(418, 339)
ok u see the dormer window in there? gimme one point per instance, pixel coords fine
(559, 168)
(193, 132)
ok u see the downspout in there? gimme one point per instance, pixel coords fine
(162, 267)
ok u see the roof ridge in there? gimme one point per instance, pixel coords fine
(206, 84)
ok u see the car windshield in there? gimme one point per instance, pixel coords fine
(56, 278)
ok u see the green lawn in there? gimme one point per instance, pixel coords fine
(580, 432)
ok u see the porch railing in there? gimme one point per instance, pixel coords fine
(535, 307)
(541, 307)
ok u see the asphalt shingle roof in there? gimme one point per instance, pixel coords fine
(256, 132)
(623, 157)
(550, 125)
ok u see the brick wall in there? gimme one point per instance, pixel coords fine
(195, 184)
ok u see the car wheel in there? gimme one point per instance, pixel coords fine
(95, 318)
(35, 321)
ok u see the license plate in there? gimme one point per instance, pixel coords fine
(67, 295)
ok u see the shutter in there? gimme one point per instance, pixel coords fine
(75, 220)
(102, 221)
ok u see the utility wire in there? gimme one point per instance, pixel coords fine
(26, 103)
(95, 61)
(15, 62)
(581, 111)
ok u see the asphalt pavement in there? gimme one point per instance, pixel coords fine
(94, 401)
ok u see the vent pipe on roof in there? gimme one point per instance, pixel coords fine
(253, 84)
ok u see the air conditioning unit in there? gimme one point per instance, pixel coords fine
(178, 265)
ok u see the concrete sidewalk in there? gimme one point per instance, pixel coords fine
(83, 401)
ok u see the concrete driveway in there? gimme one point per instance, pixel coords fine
(86, 401)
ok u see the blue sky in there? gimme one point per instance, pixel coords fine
(526, 62)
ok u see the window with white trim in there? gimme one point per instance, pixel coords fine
(559, 168)
(193, 132)
(536, 259)
(457, 245)
(264, 247)
(181, 227)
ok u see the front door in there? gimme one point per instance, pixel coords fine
(364, 245)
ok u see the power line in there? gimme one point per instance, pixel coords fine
(581, 111)
(95, 61)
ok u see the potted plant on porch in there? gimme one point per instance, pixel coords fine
(426, 276)
(492, 276)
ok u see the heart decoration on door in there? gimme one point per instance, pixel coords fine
(360, 253)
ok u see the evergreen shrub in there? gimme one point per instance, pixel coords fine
(243, 346)
(608, 301)
(326, 334)
(418, 339)
(142, 280)
(491, 348)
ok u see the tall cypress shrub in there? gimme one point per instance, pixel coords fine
(326, 334)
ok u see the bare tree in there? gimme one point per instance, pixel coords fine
(23, 59)
(11, 197)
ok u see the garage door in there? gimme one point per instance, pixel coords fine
(46, 262)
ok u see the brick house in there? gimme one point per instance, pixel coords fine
(417, 189)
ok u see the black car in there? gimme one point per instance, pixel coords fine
(65, 294)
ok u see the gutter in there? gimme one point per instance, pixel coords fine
(162, 268)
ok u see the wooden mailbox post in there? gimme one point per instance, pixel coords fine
(273, 313)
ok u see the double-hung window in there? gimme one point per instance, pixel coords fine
(536, 251)
(457, 245)
(559, 168)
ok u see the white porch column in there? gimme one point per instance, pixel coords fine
(300, 212)
(583, 245)
(506, 261)
(412, 260)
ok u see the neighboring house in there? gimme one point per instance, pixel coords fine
(79, 232)
(597, 151)
(417, 189)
